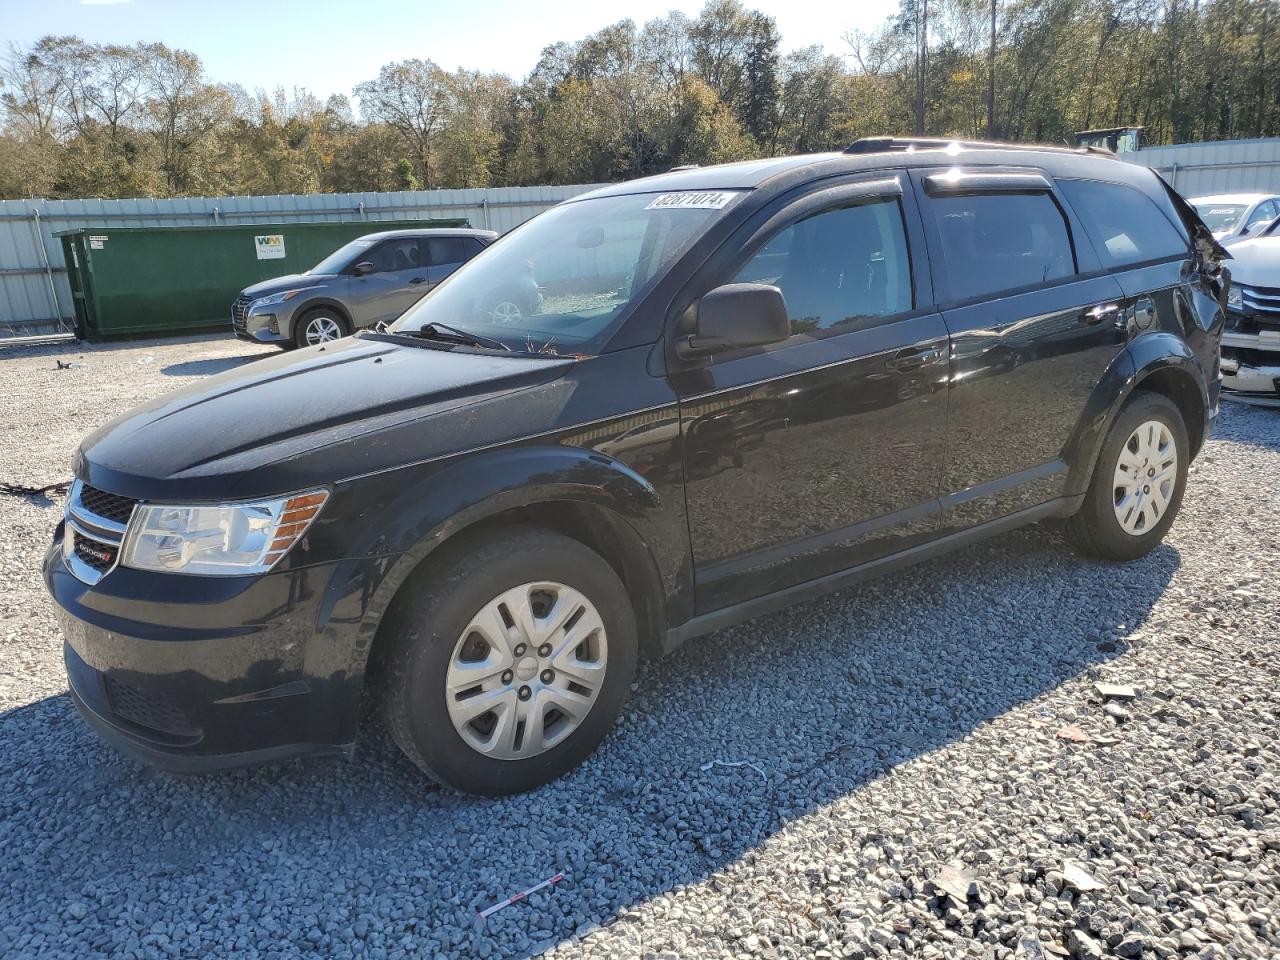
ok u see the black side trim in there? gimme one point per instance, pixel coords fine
(728, 616)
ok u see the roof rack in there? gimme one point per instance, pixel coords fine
(908, 144)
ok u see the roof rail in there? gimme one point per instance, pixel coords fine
(907, 144)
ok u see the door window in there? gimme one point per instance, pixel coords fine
(446, 251)
(1126, 225)
(392, 255)
(995, 242)
(1262, 213)
(841, 269)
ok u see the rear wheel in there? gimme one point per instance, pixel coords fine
(1137, 483)
(319, 326)
(511, 663)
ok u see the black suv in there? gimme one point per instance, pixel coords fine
(742, 386)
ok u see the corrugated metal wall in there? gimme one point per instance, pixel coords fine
(1226, 166)
(35, 296)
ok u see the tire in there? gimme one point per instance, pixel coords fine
(442, 631)
(308, 327)
(1097, 529)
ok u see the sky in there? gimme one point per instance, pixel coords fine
(328, 46)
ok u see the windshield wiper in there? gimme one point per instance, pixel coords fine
(440, 331)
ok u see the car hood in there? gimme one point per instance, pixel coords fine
(320, 415)
(1256, 262)
(293, 281)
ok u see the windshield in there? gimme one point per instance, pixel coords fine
(343, 257)
(1220, 216)
(560, 283)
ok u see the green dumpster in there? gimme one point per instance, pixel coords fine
(158, 280)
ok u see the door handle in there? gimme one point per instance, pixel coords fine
(416, 280)
(1095, 315)
(912, 358)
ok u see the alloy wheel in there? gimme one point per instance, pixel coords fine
(526, 671)
(1145, 477)
(322, 330)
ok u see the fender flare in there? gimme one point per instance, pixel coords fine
(1143, 358)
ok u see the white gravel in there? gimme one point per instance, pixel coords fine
(898, 726)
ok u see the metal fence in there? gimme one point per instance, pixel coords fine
(1223, 166)
(35, 298)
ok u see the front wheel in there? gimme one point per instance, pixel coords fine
(510, 663)
(1137, 483)
(319, 326)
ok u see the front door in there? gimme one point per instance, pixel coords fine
(824, 451)
(398, 281)
(1033, 325)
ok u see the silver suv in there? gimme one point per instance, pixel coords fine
(372, 279)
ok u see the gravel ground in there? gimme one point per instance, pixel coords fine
(892, 729)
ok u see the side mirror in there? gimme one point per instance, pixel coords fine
(733, 316)
(363, 268)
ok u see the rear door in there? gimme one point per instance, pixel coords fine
(1033, 322)
(824, 451)
(447, 254)
(1147, 248)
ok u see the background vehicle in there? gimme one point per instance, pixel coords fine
(373, 279)
(1115, 139)
(1251, 340)
(744, 386)
(1233, 215)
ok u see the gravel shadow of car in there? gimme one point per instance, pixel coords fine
(823, 698)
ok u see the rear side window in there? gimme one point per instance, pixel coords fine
(841, 268)
(994, 242)
(444, 251)
(1127, 226)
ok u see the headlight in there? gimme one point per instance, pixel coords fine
(230, 539)
(274, 298)
(1235, 298)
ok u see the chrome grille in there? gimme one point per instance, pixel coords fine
(1261, 300)
(96, 522)
(108, 506)
(95, 553)
(238, 311)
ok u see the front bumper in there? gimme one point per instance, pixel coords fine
(201, 673)
(260, 327)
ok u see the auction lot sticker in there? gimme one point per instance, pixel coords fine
(692, 200)
(270, 247)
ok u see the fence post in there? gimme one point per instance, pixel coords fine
(48, 267)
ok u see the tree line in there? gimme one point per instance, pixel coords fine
(101, 120)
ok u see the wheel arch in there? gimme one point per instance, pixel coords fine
(594, 500)
(1157, 363)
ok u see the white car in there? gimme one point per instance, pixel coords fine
(1233, 215)
(1251, 341)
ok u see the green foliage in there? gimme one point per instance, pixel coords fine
(107, 120)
